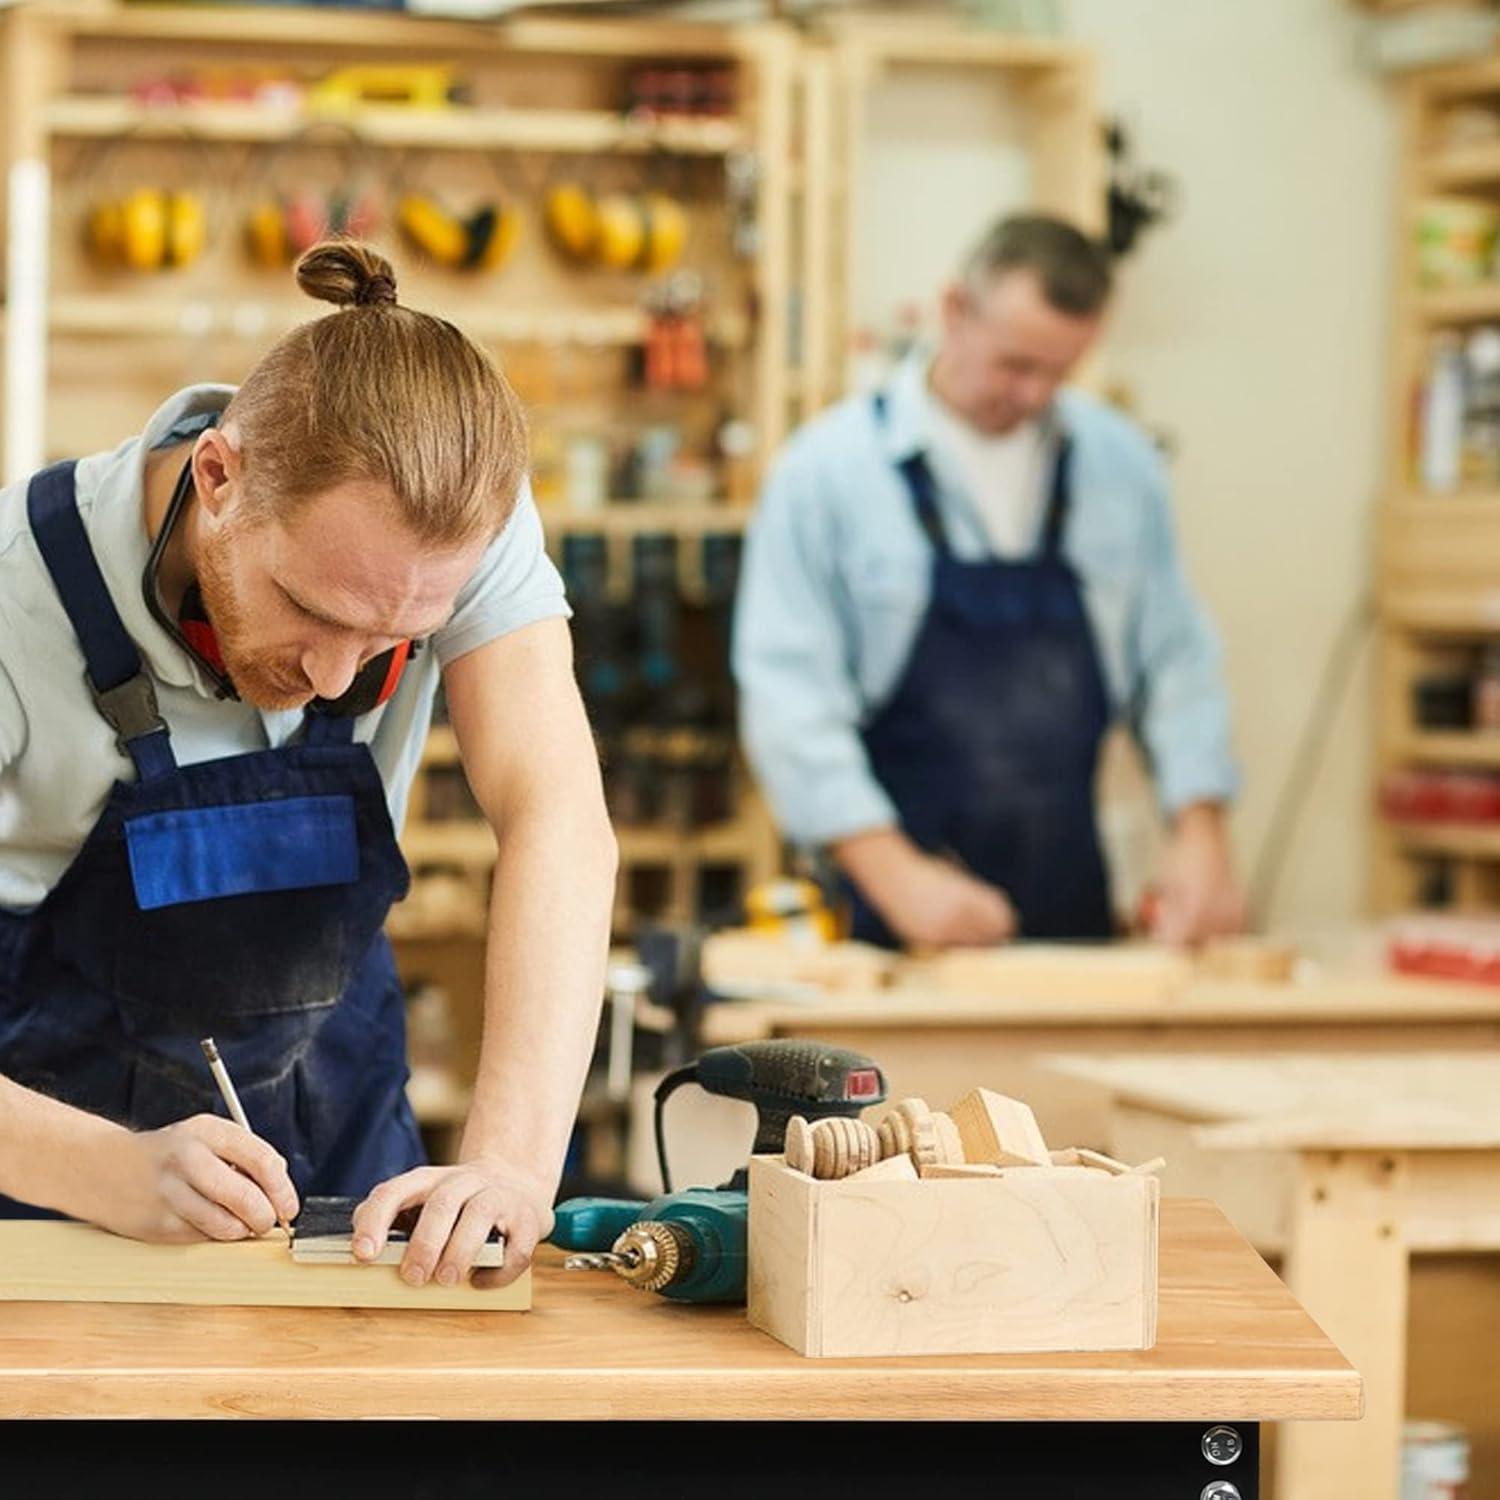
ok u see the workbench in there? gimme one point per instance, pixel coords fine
(1234, 1348)
(1345, 1166)
(937, 1044)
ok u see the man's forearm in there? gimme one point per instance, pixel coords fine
(49, 1150)
(544, 983)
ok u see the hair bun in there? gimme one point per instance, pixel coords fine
(347, 273)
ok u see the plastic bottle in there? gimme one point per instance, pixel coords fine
(1443, 419)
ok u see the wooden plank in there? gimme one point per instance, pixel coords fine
(409, 35)
(1347, 1263)
(1232, 1346)
(820, 375)
(1448, 1097)
(773, 61)
(1057, 972)
(934, 41)
(456, 129)
(64, 1262)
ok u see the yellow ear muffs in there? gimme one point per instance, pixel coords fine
(622, 232)
(572, 219)
(187, 229)
(666, 232)
(143, 237)
(493, 234)
(433, 230)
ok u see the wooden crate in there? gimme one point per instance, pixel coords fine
(1035, 1259)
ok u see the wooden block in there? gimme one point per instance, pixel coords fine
(970, 1169)
(950, 1142)
(799, 1145)
(994, 1128)
(892, 1169)
(1257, 959)
(1105, 1163)
(64, 1262)
(895, 1130)
(1042, 1259)
(740, 960)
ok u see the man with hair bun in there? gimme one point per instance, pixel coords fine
(950, 592)
(221, 644)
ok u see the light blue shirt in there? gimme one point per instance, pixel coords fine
(836, 582)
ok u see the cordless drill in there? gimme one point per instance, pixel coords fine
(690, 1245)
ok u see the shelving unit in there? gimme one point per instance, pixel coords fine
(1438, 555)
(90, 352)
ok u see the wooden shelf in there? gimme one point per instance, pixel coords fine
(464, 842)
(943, 43)
(726, 843)
(631, 517)
(1457, 748)
(1454, 168)
(1453, 840)
(471, 844)
(188, 317)
(441, 748)
(1460, 305)
(456, 129)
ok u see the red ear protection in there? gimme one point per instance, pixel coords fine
(373, 684)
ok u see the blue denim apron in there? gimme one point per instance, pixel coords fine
(243, 897)
(990, 742)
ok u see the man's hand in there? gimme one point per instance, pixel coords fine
(180, 1183)
(926, 901)
(1200, 896)
(460, 1206)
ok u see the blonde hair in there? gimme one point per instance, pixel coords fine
(382, 394)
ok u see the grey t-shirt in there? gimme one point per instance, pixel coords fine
(58, 758)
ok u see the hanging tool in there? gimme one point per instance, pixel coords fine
(690, 1245)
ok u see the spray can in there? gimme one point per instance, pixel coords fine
(1434, 1461)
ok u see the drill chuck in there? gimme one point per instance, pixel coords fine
(654, 1255)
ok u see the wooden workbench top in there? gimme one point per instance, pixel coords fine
(1436, 1101)
(1233, 1345)
(1087, 985)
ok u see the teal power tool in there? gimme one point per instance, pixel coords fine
(691, 1245)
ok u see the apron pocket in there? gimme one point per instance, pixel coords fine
(202, 853)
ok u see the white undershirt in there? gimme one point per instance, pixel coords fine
(1002, 477)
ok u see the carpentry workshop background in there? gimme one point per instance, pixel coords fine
(1025, 478)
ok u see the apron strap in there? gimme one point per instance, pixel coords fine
(1059, 500)
(920, 485)
(326, 729)
(117, 678)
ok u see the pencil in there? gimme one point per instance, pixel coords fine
(231, 1099)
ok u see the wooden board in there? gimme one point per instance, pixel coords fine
(58, 1262)
(1423, 1101)
(1116, 972)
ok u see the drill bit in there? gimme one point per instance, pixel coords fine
(603, 1260)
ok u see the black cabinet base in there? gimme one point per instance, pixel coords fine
(621, 1460)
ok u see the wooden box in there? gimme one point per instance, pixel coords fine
(1033, 1259)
